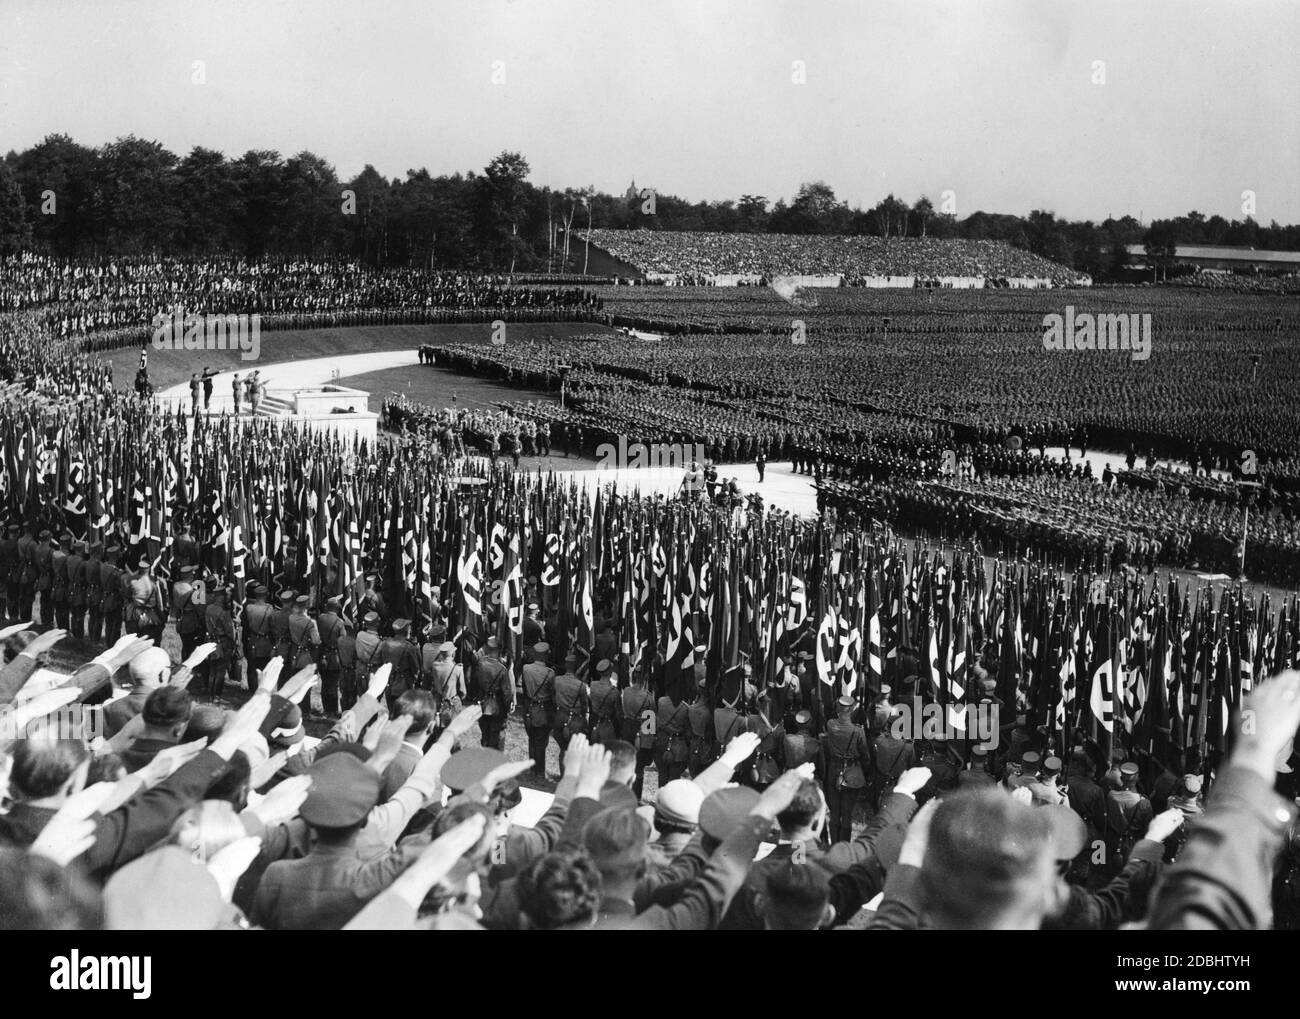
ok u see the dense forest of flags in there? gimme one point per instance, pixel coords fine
(1133, 662)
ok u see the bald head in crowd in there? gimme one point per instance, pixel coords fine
(151, 667)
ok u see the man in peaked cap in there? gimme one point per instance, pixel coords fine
(145, 613)
(470, 767)
(638, 710)
(539, 705)
(606, 705)
(186, 613)
(110, 586)
(223, 662)
(1086, 797)
(258, 632)
(346, 643)
(59, 577)
(1128, 813)
(75, 569)
(1047, 790)
(303, 637)
(403, 656)
(366, 650)
(977, 773)
(571, 706)
(280, 622)
(25, 571)
(845, 765)
(699, 722)
(331, 627)
(330, 885)
(801, 746)
(491, 683)
(41, 561)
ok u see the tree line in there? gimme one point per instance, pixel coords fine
(133, 196)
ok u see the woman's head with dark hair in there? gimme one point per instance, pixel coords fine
(560, 888)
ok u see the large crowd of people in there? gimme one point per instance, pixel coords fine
(1220, 381)
(113, 302)
(696, 257)
(712, 698)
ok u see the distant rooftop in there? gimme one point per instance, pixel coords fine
(1225, 252)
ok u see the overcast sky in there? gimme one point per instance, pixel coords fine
(994, 100)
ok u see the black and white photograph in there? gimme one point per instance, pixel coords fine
(694, 465)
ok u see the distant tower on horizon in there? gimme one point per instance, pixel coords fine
(632, 194)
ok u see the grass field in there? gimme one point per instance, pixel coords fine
(439, 387)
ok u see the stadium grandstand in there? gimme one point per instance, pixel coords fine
(720, 259)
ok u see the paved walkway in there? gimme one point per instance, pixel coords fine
(780, 487)
(289, 375)
(1100, 459)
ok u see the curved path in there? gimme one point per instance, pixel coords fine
(305, 374)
